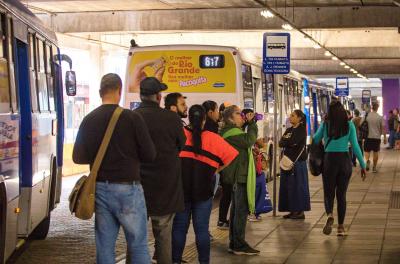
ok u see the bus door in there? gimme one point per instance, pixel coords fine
(9, 142)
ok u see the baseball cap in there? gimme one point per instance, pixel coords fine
(151, 85)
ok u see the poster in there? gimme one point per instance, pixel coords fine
(184, 71)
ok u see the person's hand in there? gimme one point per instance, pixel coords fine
(363, 174)
(250, 116)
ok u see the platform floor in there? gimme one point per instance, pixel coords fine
(373, 230)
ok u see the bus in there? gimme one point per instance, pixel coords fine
(31, 125)
(226, 74)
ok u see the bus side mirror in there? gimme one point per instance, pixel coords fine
(70, 83)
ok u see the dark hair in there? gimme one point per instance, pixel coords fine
(247, 110)
(172, 100)
(337, 120)
(356, 112)
(210, 105)
(375, 106)
(109, 82)
(302, 116)
(197, 114)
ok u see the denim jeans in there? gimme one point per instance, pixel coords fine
(120, 205)
(200, 213)
(392, 138)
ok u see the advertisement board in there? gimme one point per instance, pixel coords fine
(184, 71)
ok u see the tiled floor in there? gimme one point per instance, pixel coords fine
(373, 228)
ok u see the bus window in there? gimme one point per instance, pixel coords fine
(49, 77)
(5, 104)
(32, 72)
(248, 95)
(10, 57)
(41, 77)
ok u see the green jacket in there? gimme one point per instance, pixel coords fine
(238, 169)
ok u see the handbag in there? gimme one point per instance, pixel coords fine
(263, 200)
(82, 197)
(316, 158)
(286, 163)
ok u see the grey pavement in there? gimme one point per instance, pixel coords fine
(373, 229)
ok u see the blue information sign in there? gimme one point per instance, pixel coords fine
(342, 86)
(276, 53)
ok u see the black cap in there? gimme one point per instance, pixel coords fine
(151, 85)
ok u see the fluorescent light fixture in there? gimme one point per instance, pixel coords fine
(342, 63)
(328, 54)
(267, 14)
(359, 75)
(355, 71)
(334, 58)
(287, 26)
(316, 46)
(396, 3)
(347, 66)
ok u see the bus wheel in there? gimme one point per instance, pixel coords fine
(42, 229)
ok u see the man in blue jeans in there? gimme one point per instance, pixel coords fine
(119, 194)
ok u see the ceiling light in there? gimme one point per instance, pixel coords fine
(359, 75)
(396, 3)
(334, 58)
(327, 53)
(347, 66)
(267, 14)
(355, 71)
(316, 46)
(287, 26)
(342, 63)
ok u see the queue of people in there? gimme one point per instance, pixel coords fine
(161, 169)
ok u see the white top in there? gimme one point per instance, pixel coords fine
(375, 125)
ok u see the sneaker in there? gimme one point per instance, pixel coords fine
(374, 170)
(249, 251)
(341, 232)
(223, 225)
(328, 225)
(253, 218)
(367, 168)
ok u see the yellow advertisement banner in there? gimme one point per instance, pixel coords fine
(184, 71)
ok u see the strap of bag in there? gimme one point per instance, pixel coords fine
(329, 139)
(106, 140)
(301, 152)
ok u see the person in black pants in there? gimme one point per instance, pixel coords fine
(337, 131)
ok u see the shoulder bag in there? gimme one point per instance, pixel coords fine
(82, 197)
(287, 164)
(316, 158)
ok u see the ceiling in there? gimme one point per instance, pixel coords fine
(364, 33)
(60, 6)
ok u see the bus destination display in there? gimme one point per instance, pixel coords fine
(212, 61)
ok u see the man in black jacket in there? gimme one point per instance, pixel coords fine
(161, 178)
(119, 194)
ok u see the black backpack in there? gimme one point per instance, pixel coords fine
(364, 128)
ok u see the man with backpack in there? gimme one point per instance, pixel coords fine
(373, 140)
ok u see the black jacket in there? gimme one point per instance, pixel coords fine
(161, 179)
(294, 141)
(130, 144)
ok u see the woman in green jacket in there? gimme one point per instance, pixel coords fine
(241, 174)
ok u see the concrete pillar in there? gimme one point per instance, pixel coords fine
(390, 94)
